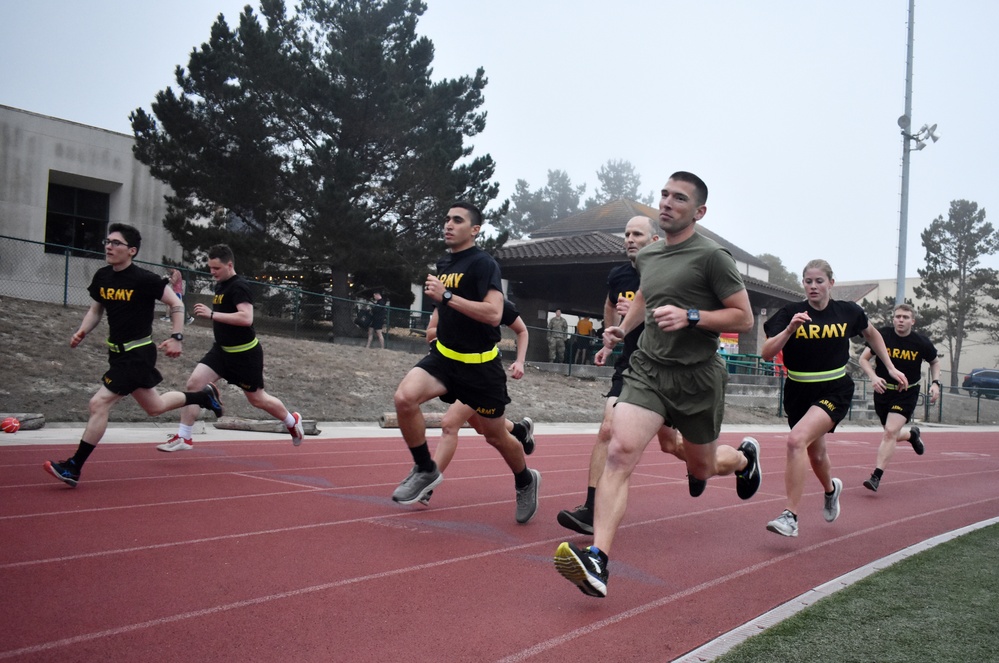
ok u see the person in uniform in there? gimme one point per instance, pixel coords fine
(128, 293)
(463, 363)
(236, 354)
(893, 405)
(814, 335)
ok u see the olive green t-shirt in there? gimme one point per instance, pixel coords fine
(697, 273)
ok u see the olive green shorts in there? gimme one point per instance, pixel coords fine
(689, 398)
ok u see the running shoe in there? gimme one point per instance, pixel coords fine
(176, 443)
(528, 440)
(786, 524)
(527, 498)
(425, 500)
(695, 485)
(873, 483)
(831, 509)
(747, 482)
(579, 519)
(916, 441)
(415, 486)
(586, 568)
(214, 398)
(297, 432)
(66, 471)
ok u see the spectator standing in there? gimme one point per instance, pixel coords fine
(558, 330)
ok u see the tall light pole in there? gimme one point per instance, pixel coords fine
(908, 139)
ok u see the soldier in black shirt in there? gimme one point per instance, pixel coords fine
(464, 362)
(236, 354)
(129, 294)
(894, 404)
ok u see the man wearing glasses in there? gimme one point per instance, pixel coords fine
(129, 294)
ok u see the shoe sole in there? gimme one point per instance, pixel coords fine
(66, 480)
(569, 521)
(536, 488)
(571, 568)
(755, 485)
(870, 486)
(171, 447)
(838, 489)
(776, 530)
(917, 446)
(423, 493)
(217, 396)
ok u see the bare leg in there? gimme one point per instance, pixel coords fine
(100, 407)
(416, 388)
(811, 429)
(892, 434)
(455, 416)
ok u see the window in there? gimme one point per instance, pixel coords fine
(76, 218)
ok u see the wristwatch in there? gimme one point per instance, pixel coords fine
(177, 337)
(446, 297)
(937, 383)
(693, 317)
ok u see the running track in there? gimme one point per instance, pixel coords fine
(258, 551)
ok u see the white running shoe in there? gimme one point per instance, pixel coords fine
(176, 443)
(297, 431)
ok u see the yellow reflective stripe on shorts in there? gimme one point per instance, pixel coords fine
(241, 348)
(819, 376)
(468, 357)
(892, 385)
(129, 345)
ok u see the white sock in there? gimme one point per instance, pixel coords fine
(289, 421)
(185, 431)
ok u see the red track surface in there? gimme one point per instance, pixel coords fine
(259, 551)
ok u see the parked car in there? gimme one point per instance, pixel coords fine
(982, 382)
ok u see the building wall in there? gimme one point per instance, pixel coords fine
(36, 150)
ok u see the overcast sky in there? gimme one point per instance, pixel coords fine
(786, 108)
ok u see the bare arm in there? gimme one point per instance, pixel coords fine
(868, 368)
(489, 311)
(776, 343)
(517, 367)
(735, 316)
(635, 316)
(91, 319)
(877, 343)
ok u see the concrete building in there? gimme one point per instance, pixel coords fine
(61, 184)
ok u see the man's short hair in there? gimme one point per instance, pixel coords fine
(132, 236)
(699, 186)
(222, 253)
(476, 212)
(906, 307)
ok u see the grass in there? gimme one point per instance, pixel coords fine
(938, 605)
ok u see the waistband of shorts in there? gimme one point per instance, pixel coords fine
(468, 357)
(817, 376)
(129, 345)
(241, 348)
(893, 386)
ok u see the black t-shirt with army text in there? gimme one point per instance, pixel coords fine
(907, 353)
(469, 274)
(129, 297)
(229, 294)
(624, 281)
(822, 344)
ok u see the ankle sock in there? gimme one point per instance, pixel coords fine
(185, 431)
(82, 454)
(878, 472)
(421, 456)
(523, 478)
(591, 497)
(289, 421)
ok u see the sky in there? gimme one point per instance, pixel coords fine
(787, 109)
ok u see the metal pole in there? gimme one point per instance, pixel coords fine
(904, 122)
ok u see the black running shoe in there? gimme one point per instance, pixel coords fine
(528, 440)
(579, 519)
(873, 483)
(66, 471)
(696, 485)
(583, 568)
(915, 441)
(747, 482)
(214, 399)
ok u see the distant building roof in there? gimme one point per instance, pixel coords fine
(853, 292)
(611, 217)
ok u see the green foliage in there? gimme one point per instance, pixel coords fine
(779, 274)
(530, 210)
(954, 281)
(618, 180)
(317, 141)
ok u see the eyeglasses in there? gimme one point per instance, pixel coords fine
(114, 242)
